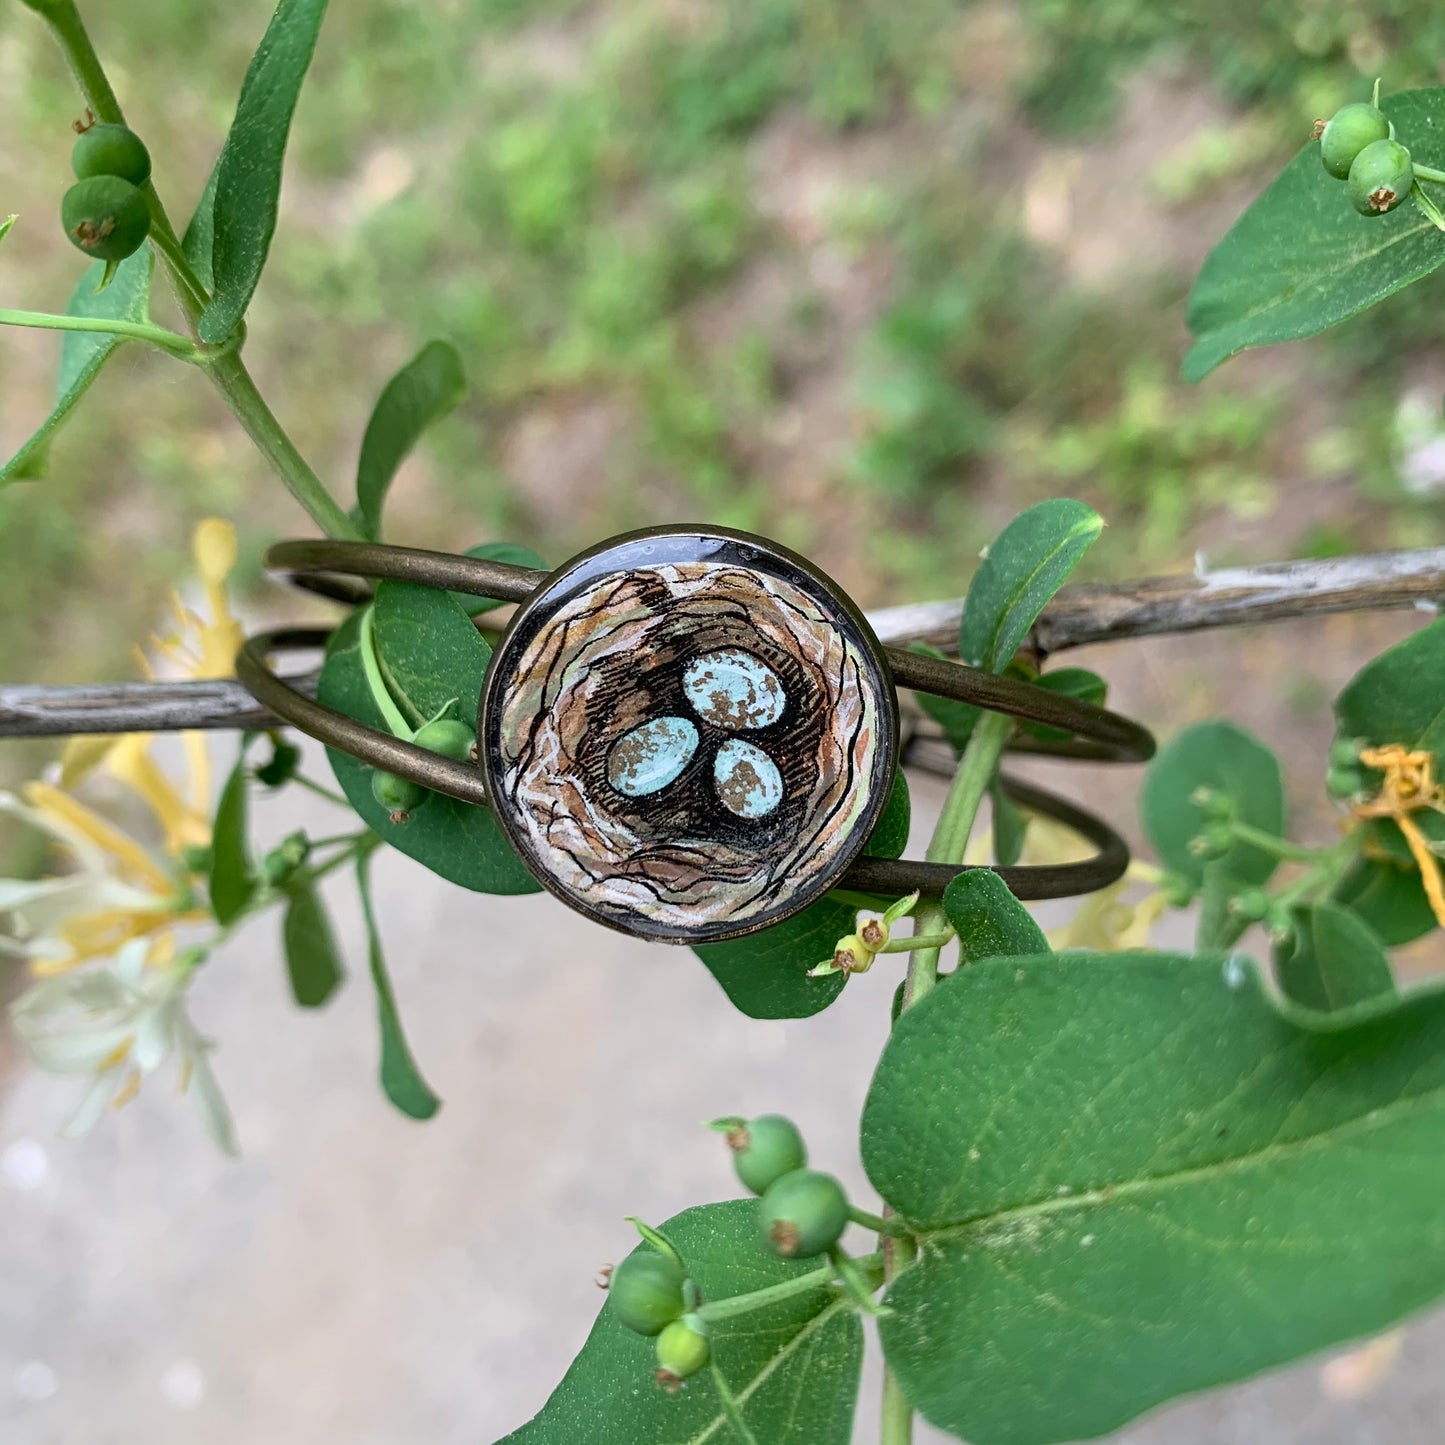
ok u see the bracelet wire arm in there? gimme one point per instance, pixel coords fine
(1099, 734)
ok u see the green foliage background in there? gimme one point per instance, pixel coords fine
(866, 276)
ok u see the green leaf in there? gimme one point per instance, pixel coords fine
(233, 879)
(513, 553)
(1301, 259)
(765, 974)
(198, 244)
(1388, 897)
(1029, 562)
(1077, 682)
(890, 833)
(1219, 756)
(1399, 696)
(434, 654)
(313, 961)
(792, 1367)
(83, 353)
(1331, 960)
(428, 387)
(1136, 1176)
(401, 1080)
(248, 173)
(989, 920)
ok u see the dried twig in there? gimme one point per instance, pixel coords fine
(1078, 615)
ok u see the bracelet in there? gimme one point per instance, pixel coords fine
(689, 733)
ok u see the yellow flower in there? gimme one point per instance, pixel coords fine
(116, 890)
(200, 648)
(119, 889)
(1105, 921)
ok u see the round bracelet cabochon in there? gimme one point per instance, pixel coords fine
(688, 735)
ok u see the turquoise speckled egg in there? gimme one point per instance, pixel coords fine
(733, 689)
(651, 756)
(748, 781)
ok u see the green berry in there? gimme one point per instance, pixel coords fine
(111, 150)
(1349, 131)
(447, 736)
(804, 1213)
(1343, 753)
(764, 1149)
(1381, 177)
(646, 1291)
(397, 795)
(1253, 905)
(105, 217)
(682, 1350)
(1346, 782)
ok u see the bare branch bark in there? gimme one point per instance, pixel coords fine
(1078, 615)
(1229, 597)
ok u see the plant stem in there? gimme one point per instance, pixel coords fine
(896, 1426)
(869, 1266)
(376, 683)
(731, 1409)
(950, 839)
(935, 941)
(1428, 173)
(69, 30)
(875, 1222)
(225, 368)
(233, 381)
(312, 786)
(169, 341)
(1276, 847)
(188, 285)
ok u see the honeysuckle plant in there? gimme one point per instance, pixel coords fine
(1106, 1175)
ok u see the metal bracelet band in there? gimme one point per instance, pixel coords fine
(883, 876)
(1099, 734)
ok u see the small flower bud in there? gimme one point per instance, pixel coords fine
(1253, 905)
(285, 858)
(1213, 840)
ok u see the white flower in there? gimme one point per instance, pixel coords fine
(116, 1024)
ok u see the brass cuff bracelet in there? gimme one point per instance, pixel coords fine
(689, 733)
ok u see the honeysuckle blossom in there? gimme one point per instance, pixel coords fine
(101, 935)
(117, 1023)
(114, 891)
